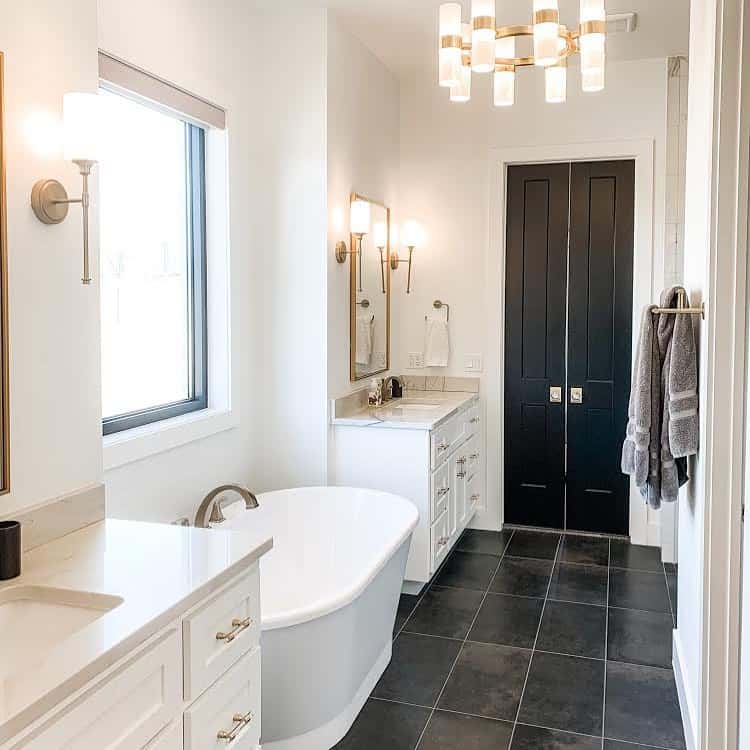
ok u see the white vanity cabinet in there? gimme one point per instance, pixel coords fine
(195, 685)
(440, 467)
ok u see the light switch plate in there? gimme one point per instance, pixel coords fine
(416, 360)
(473, 363)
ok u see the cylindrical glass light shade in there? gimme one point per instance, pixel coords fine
(380, 234)
(449, 56)
(483, 36)
(505, 76)
(360, 217)
(593, 79)
(556, 83)
(546, 33)
(81, 127)
(411, 234)
(593, 10)
(592, 45)
(462, 92)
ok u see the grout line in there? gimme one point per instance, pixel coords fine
(460, 650)
(533, 648)
(606, 644)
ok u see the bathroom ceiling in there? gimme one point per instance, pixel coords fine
(403, 33)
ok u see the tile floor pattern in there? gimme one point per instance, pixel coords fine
(532, 641)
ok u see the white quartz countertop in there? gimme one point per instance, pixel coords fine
(159, 572)
(418, 410)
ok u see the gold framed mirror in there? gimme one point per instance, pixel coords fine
(4, 420)
(369, 288)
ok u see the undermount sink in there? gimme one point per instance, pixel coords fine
(34, 620)
(414, 403)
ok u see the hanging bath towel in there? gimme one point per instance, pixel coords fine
(436, 343)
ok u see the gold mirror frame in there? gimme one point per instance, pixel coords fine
(353, 259)
(4, 408)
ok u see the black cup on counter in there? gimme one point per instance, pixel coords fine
(10, 550)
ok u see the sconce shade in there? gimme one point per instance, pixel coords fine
(411, 234)
(380, 233)
(81, 127)
(360, 217)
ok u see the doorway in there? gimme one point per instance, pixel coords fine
(568, 344)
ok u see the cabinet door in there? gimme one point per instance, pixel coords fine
(124, 712)
(458, 466)
(170, 738)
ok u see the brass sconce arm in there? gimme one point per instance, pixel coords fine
(395, 261)
(342, 251)
(50, 202)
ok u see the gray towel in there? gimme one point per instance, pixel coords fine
(684, 425)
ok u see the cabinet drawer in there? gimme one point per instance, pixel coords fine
(444, 439)
(472, 420)
(228, 714)
(127, 710)
(170, 738)
(441, 488)
(440, 536)
(220, 632)
(474, 498)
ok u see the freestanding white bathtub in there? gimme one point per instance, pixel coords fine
(329, 592)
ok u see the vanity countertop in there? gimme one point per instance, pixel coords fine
(159, 571)
(417, 410)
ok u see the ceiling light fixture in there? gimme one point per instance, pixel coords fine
(480, 47)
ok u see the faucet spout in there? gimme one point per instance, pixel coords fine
(210, 509)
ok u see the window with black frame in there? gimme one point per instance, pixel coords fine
(153, 263)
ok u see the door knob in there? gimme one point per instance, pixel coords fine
(576, 395)
(555, 394)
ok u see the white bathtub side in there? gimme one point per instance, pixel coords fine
(317, 675)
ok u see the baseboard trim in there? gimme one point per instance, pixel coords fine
(683, 692)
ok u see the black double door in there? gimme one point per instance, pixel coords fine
(568, 344)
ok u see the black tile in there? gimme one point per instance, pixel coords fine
(579, 583)
(670, 569)
(383, 724)
(445, 612)
(535, 544)
(632, 589)
(615, 745)
(564, 692)
(448, 731)
(406, 605)
(507, 620)
(487, 542)
(635, 557)
(466, 570)
(584, 550)
(418, 669)
(672, 587)
(487, 681)
(642, 706)
(640, 637)
(575, 629)
(534, 738)
(522, 577)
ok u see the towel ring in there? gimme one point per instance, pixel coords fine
(365, 303)
(438, 305)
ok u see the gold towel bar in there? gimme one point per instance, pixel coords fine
(682, 308)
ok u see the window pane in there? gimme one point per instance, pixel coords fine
(145, 268)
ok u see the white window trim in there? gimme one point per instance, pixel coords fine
(142, 442)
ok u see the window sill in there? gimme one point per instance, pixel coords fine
(141, 442)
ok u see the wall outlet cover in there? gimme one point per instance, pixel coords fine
(416, 360)
(473, 363)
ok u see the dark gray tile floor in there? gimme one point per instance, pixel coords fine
(532, 641)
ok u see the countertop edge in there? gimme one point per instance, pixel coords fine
(91, 671)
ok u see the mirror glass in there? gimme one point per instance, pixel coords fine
(370, 291)
(4, 445)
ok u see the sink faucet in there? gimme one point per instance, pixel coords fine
(210, 510)
(393, 387)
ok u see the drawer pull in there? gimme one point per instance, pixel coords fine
(444, 491)
(474, 456)
(475, 420)
(442, 542)
(237, 627)
(461, 474)
(461, 460)
(240, 722)
(443, 446)
(475, 498)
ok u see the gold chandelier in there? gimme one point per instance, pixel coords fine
(480, 47)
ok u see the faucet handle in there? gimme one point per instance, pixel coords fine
(217, 515)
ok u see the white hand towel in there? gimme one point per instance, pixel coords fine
(364, 339)
(437, 346)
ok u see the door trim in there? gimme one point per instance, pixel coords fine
(647, 266)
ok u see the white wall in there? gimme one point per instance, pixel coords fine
(445, 184)
(50, 48)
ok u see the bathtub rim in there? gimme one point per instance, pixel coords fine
(324, 606)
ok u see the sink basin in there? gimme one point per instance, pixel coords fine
(414, 403)
(34, 620)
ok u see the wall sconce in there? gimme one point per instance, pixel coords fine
(49, 199)
(359, 221)
(411, 236)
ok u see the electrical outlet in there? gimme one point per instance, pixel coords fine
(416, 360)
(473, 363)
